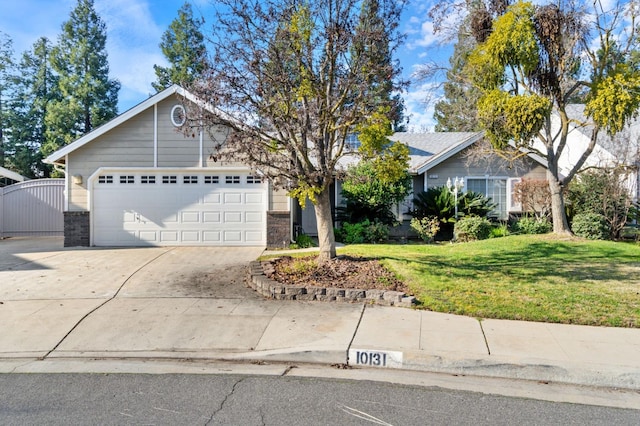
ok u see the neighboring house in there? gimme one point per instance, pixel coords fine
(437, 157)
(141, 179)
(7, 177)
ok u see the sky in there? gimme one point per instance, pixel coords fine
(135, 27)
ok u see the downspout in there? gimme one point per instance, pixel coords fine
(155, 135)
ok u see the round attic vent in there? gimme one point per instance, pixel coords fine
(178, 115)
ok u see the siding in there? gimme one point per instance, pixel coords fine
(32, 208)
(457, 166)
(131, 144)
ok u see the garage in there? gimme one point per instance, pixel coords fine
(178, 207)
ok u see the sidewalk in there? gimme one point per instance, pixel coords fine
(135, 322)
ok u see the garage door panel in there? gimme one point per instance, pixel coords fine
(179, 213)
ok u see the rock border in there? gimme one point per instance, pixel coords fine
(272, 289)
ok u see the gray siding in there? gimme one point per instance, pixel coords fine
(32, 208)
(460, 166)
(131, 144)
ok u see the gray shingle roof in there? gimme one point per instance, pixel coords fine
(426, 146)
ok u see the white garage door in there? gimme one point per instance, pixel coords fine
(171, 208)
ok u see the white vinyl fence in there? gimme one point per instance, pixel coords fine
(32, 208)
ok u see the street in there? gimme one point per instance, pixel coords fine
(183, 399)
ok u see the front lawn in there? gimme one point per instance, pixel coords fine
(535, 278)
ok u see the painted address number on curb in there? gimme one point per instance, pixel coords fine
(369, 358)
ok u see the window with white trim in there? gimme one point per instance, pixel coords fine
(126, 179)
(189, 179)
(232, 179)
(105, 179)
(211, 179)
(494, 188)
(254, 180)
(147, 179)
(169, 179)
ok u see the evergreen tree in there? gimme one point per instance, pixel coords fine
(6, 63)
(183, 46)
(373, 45)
(457, 112)
(89, 97)
(36, 86)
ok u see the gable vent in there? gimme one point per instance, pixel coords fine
(178, 115)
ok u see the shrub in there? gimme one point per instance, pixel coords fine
(499, 231)
(472, 228)
(440, 202)
(427, 227)
(304, 241)
(531, 225)
(363, 232)
(592, 226)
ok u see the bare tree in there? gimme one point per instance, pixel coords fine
(292, 80)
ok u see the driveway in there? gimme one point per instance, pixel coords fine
(46, 291)
(40, 268)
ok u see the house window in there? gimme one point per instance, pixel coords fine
(211, 179)
(127, 179)
(169, 179)
(147, 179)
(105, 179)
(494, 188)
(189, 179)
(352, 141)
(232, 179)
(254, 179)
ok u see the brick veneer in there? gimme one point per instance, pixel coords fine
(76, 229)
(278, 229)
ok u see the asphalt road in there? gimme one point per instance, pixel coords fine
(181, 399)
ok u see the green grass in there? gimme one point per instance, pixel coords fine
(534, 278)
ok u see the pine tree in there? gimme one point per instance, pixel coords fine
(6, 64)
(374, 48)
(36, 86)
(89, 97)
(183, 46)
(457, 111)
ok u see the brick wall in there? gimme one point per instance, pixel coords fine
(76, 229)
(278, 229)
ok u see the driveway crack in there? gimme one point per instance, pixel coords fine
(85, 316)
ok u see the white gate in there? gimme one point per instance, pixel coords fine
(32, 208)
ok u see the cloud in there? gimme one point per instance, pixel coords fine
(419, 103)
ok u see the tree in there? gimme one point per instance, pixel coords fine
(6, 63)
(290, 85)
(88, 97)
(457, 111)
(536, 59)
(381, 179)
(183, 46)
(36, 86)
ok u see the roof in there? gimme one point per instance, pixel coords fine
(11, 175)
(58, 157)
(427, 150)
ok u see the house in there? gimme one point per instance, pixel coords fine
(7, 177)
(435, 158)
(146, 178)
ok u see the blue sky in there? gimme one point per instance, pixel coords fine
(135, 27)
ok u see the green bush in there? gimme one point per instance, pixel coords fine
(472, 228)
(427, 227)
(499, 231)
(304, 241)
(363, 232)
(592, 226)
(532, 225)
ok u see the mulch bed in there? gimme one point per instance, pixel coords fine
(341, 272)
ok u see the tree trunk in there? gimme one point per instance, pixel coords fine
(324, 219)
(558, 212)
